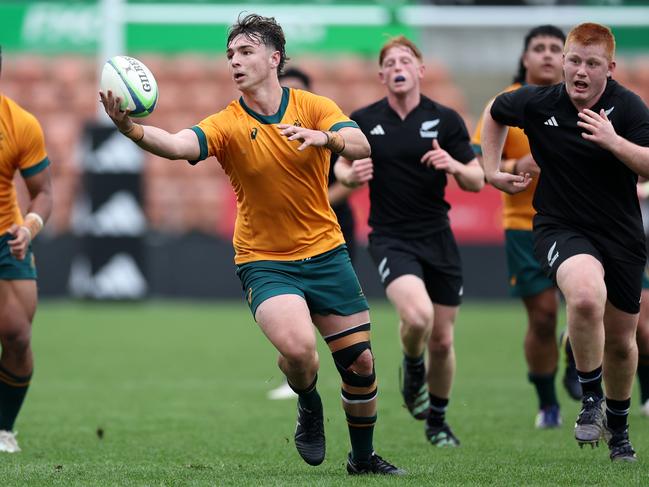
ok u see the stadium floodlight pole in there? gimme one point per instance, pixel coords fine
(112, 41)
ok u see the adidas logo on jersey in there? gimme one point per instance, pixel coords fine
(551, 121)
(378, 130)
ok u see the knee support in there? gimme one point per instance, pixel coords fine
(346, 347)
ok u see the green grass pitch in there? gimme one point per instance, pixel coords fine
(175, 394)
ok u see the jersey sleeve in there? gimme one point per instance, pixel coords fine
(637, 127)
(327, 115)
(213, 135)
(33, 157)
(455, 139)
(509, 108)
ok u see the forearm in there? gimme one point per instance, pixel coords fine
(470, 177)
(634, 156)
(343, 172)
(338, 193)
(41, 204)
(355, 145)
(492, 143)
(160, 142)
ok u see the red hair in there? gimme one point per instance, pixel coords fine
(399, 41)
(589, 34)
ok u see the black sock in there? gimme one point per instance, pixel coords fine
(361, 435)
(591, 382)
(437, 412)
(545, 390)
(309, 397)
(617, 413)
(12, 393)
(643, 377)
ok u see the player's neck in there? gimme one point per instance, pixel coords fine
(264, 99)
(404, 103)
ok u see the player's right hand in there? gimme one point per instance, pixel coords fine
(362, 171)
(119, 117)
(19, 244)
(510, 183)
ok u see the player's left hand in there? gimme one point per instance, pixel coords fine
(441, 160)
(308, 137)
(510, 183)
(20, 243)
(599, 128)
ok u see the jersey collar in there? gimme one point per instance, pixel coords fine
(268, 119)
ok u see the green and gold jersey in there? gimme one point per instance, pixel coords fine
(22, 148)
(283, 210)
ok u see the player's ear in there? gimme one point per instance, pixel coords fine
(611, 69)
(275, 58)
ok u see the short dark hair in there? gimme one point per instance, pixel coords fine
(265, 30)
(299, 74)
(541, 30)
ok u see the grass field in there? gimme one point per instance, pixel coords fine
(178, 391)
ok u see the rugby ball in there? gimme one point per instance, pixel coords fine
(130, 80)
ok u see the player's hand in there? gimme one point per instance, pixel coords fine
(599, 128)
(510, 183)
(362, 170)
(441, 160)
(527, 164)
(308, 137)
(119, 117)
(20, 243)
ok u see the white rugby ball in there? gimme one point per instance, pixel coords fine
(130, 80)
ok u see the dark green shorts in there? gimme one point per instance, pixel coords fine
(327, 282)
(12, 268)
(526, 276)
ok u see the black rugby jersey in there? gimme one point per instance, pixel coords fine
(582, 184)
(406, 196)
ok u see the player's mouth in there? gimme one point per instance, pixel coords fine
(580, 86)
(398, 79)
(238, 76)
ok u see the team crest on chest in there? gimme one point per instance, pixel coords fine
(426, 130)
(253, 133)
(297, 123)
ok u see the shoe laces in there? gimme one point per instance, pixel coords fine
(590, 410)
(381, 465)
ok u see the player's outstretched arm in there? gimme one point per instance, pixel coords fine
(492, 143)
(39, 187)
(599, 129)
(182, 145)
(353, 173)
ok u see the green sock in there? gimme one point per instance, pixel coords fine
(12, 393)
(361, 434)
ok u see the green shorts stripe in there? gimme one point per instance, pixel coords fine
(327, 282)
(526, 276)
(12, 268)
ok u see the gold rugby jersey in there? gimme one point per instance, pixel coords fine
(283, 210)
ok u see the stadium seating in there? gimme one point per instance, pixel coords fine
(179, 197)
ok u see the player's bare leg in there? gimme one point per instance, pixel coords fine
(409, 296)
(581, 279)
(17, 307)
(441, 371)
(286, 321)
(542, 354)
